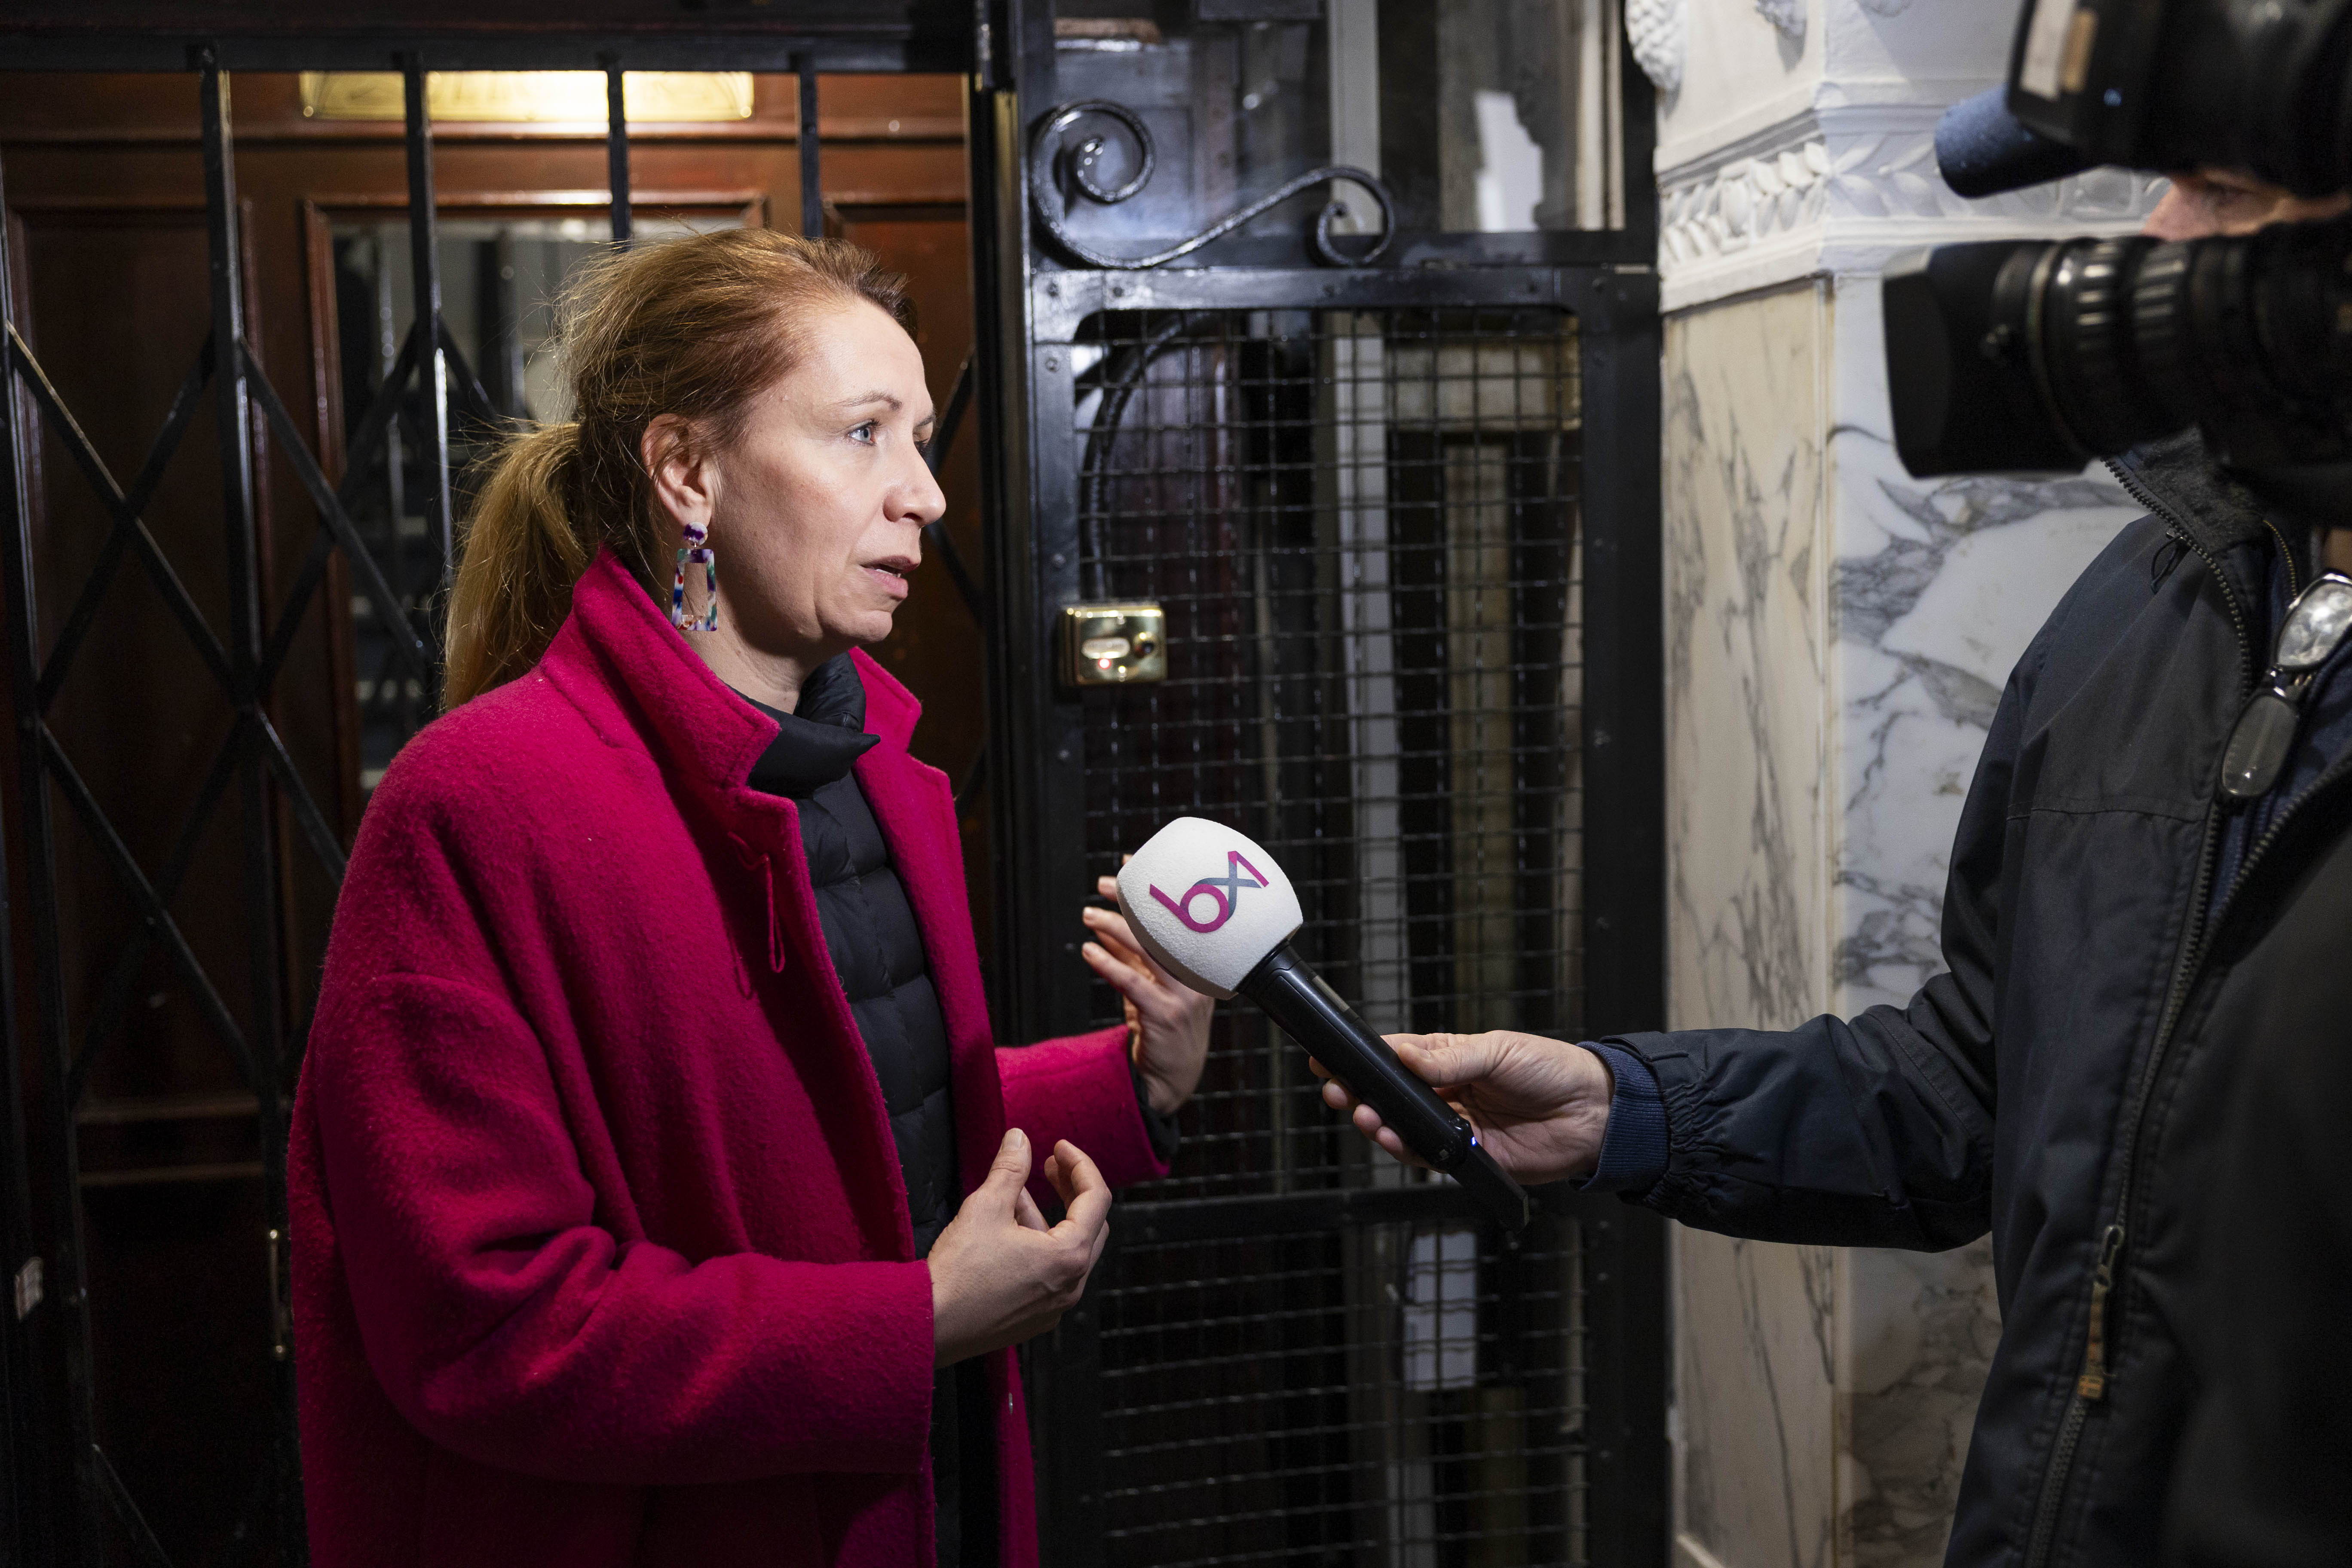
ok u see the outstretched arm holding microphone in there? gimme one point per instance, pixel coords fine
(1542, 1106)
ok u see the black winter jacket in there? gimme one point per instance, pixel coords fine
(2063, 1086)
(2266, 1467)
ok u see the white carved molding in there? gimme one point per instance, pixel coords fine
(1844, 189)
(1788, 15)
(1658, 32)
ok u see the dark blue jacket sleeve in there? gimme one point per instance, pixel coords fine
(1874, 1131)
(1633, 1149)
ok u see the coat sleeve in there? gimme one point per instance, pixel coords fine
(507, 1321)
(1874, 1131)
(1081, 1088)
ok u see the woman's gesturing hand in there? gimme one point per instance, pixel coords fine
(1167, 1020)
(1540, 1106)
(999, 1274)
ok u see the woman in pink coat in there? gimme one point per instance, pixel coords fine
(658, 1194)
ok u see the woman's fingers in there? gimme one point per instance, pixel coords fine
(1110, 929)
(1127, 980)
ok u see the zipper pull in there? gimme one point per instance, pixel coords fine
(2093, 1384)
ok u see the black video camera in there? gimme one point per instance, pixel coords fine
(2024, 354)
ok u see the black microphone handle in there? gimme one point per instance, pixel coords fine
(1313, 1014)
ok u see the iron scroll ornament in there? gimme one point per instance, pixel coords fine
(1076, 165)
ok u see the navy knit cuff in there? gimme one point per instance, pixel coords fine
(1634, 1150)
(1159, 1130)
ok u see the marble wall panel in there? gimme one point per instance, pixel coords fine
(1937, 586)
(1746, 645)
(1749, 864)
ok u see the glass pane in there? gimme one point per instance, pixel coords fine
(1494, 116)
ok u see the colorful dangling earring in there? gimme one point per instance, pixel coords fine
(694, 550)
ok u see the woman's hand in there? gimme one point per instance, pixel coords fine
(998, 1275)
(1167, 1020)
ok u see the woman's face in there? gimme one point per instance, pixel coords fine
(815, 511)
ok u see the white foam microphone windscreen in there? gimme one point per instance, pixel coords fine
(1207, 902)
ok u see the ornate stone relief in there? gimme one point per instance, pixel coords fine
(1789, 15)
(1825, 194)
(1659, 33)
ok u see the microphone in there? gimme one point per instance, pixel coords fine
(1983, 150)
(1217, 912)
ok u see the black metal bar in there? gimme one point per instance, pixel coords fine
(471, 393)
(616, 148)
(110, 494)
(1001, 398)
(937, 41)
(1624, 757)
(806, 142)
(366, 444)
(144, 1544)
(307, 815)
(1638, 120)
(114, 995)
(1431, 1201)
(1060, 303)
(973, 777)
(31, 1456)
(936, 537)
(331, 516)
(127, 525)
(150, 904)
(263, 1056)
(424, 275)
(950, 420)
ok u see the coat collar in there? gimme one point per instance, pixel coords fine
(2201, 498)
(631, 673)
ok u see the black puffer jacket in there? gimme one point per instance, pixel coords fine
(876, 949)
(2064, 1085)
(870, 933)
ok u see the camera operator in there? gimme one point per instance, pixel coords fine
(2118, 928)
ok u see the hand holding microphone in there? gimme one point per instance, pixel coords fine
(1542, 1106)
(1213, 909)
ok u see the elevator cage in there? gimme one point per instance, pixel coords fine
(1394, 487)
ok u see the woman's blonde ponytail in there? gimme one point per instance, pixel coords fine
(694, 327)
(523, 553)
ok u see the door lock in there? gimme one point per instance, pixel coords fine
(1114, 645)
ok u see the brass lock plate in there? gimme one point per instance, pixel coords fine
(1114, 645)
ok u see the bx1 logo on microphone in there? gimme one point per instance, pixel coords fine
(1223, 891)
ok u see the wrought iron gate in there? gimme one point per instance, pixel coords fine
(1401, 519)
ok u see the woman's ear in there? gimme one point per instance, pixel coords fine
(685, 480)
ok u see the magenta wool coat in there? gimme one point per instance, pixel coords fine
(600, 1246)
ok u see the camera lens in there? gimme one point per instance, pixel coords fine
(2089, 360)
(2045, 356)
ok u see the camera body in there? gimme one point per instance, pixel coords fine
(2257, 85)
(2020, 354)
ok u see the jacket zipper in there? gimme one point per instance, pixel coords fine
(2091, 1383)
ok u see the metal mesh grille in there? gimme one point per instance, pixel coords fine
(1362, 528)
(1395, 1394)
